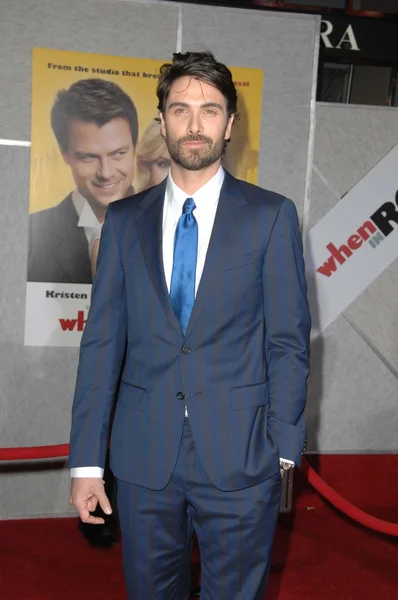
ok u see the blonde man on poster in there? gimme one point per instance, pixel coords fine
(96, 126)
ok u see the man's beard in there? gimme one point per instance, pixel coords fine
(195, 159)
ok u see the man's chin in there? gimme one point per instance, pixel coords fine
(197, 159)
(103, 200)
(102, 203)
(196, 163)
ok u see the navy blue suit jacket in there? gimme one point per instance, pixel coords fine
(241, 368)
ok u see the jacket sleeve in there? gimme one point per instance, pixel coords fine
(287, 339)
(102, 352)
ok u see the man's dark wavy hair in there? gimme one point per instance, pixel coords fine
(92, 101)
(200, 65)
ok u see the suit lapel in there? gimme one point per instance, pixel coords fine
(223, 236)
(149, 227)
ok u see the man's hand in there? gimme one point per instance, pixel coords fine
(85, 493)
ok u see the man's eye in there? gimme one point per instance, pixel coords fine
(210, 111)
(179, 111)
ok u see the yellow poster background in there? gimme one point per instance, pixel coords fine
(53, 70)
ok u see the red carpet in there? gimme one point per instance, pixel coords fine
(318, 555)
(321, 557)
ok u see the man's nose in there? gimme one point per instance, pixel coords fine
(105, 169)
(195, 124)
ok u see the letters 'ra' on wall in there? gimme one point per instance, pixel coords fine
(37, 383)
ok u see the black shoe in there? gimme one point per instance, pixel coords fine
(195, 592)
(103, 536)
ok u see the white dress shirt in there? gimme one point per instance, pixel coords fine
(87, 219)
(206, 202)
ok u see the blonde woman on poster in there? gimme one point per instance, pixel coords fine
(153, 159)
(96, 126)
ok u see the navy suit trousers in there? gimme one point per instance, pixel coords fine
(235, 530)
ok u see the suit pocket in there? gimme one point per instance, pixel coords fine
(249, 396)
(133, 395)
(244, 260)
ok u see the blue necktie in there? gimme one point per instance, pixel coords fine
(182, 287)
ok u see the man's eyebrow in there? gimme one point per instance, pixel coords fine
(121, 149)
(212, 105)
(205, 105)
(85, 154)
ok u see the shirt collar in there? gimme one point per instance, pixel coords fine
(84, 211)
(207, 195)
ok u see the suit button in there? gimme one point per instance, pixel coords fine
(180, 396)
(186, 350)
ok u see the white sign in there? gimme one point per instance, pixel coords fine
(354, 243)
(56, 313)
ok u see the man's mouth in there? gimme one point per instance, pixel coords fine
(195, 144)
(195, 141)
(106, 186)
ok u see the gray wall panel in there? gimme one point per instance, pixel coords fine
(284, 47)
(322, 199)
(117, 28)
(36, 384)
(352, 398)
(350, 140)
(35, 492)
(375, 316)
(353, 388)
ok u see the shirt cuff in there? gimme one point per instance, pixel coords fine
(286, 461)
(87, 472)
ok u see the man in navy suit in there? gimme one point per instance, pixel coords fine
(199, 331)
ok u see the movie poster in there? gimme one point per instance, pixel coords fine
(95, 139)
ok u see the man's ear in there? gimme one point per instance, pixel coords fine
(229, 126)
(162, 125)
